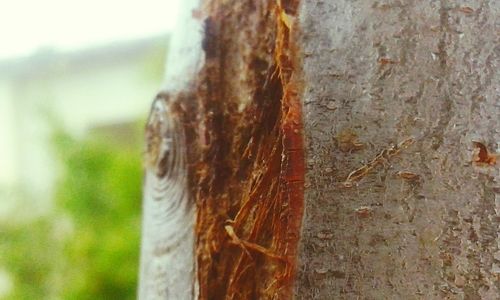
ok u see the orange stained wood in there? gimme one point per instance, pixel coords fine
(248, 173)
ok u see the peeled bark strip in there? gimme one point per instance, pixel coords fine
(423, 223)
(249, 177)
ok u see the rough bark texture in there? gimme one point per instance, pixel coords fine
(390, 111)
(248, 196)
(422, 222)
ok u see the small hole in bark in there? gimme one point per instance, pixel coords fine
(482, 156)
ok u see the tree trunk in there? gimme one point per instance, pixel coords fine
(326, 150)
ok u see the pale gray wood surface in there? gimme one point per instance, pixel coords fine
(167, 267)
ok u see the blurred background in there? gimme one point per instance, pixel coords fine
(76, 82)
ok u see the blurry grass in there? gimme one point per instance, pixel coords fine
(101, 191)
(88, 247)
(27, 254)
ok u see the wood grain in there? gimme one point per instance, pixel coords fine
(167, 268)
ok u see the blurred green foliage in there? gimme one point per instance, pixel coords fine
(27, 253)
(101, 191)
(85, 245)
(88, 246)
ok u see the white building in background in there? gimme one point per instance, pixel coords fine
(98, 87)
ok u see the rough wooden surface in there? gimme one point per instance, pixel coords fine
(422, 223)
(249, 171)
(167, 267)
(167, 264)
(238, 113)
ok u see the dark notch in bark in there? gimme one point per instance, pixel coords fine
(245, 151)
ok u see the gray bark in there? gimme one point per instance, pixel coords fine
(388, 71)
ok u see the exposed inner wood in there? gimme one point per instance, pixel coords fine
(246, 152)
(168, 214)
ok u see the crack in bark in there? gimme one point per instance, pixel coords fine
(447, 104)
